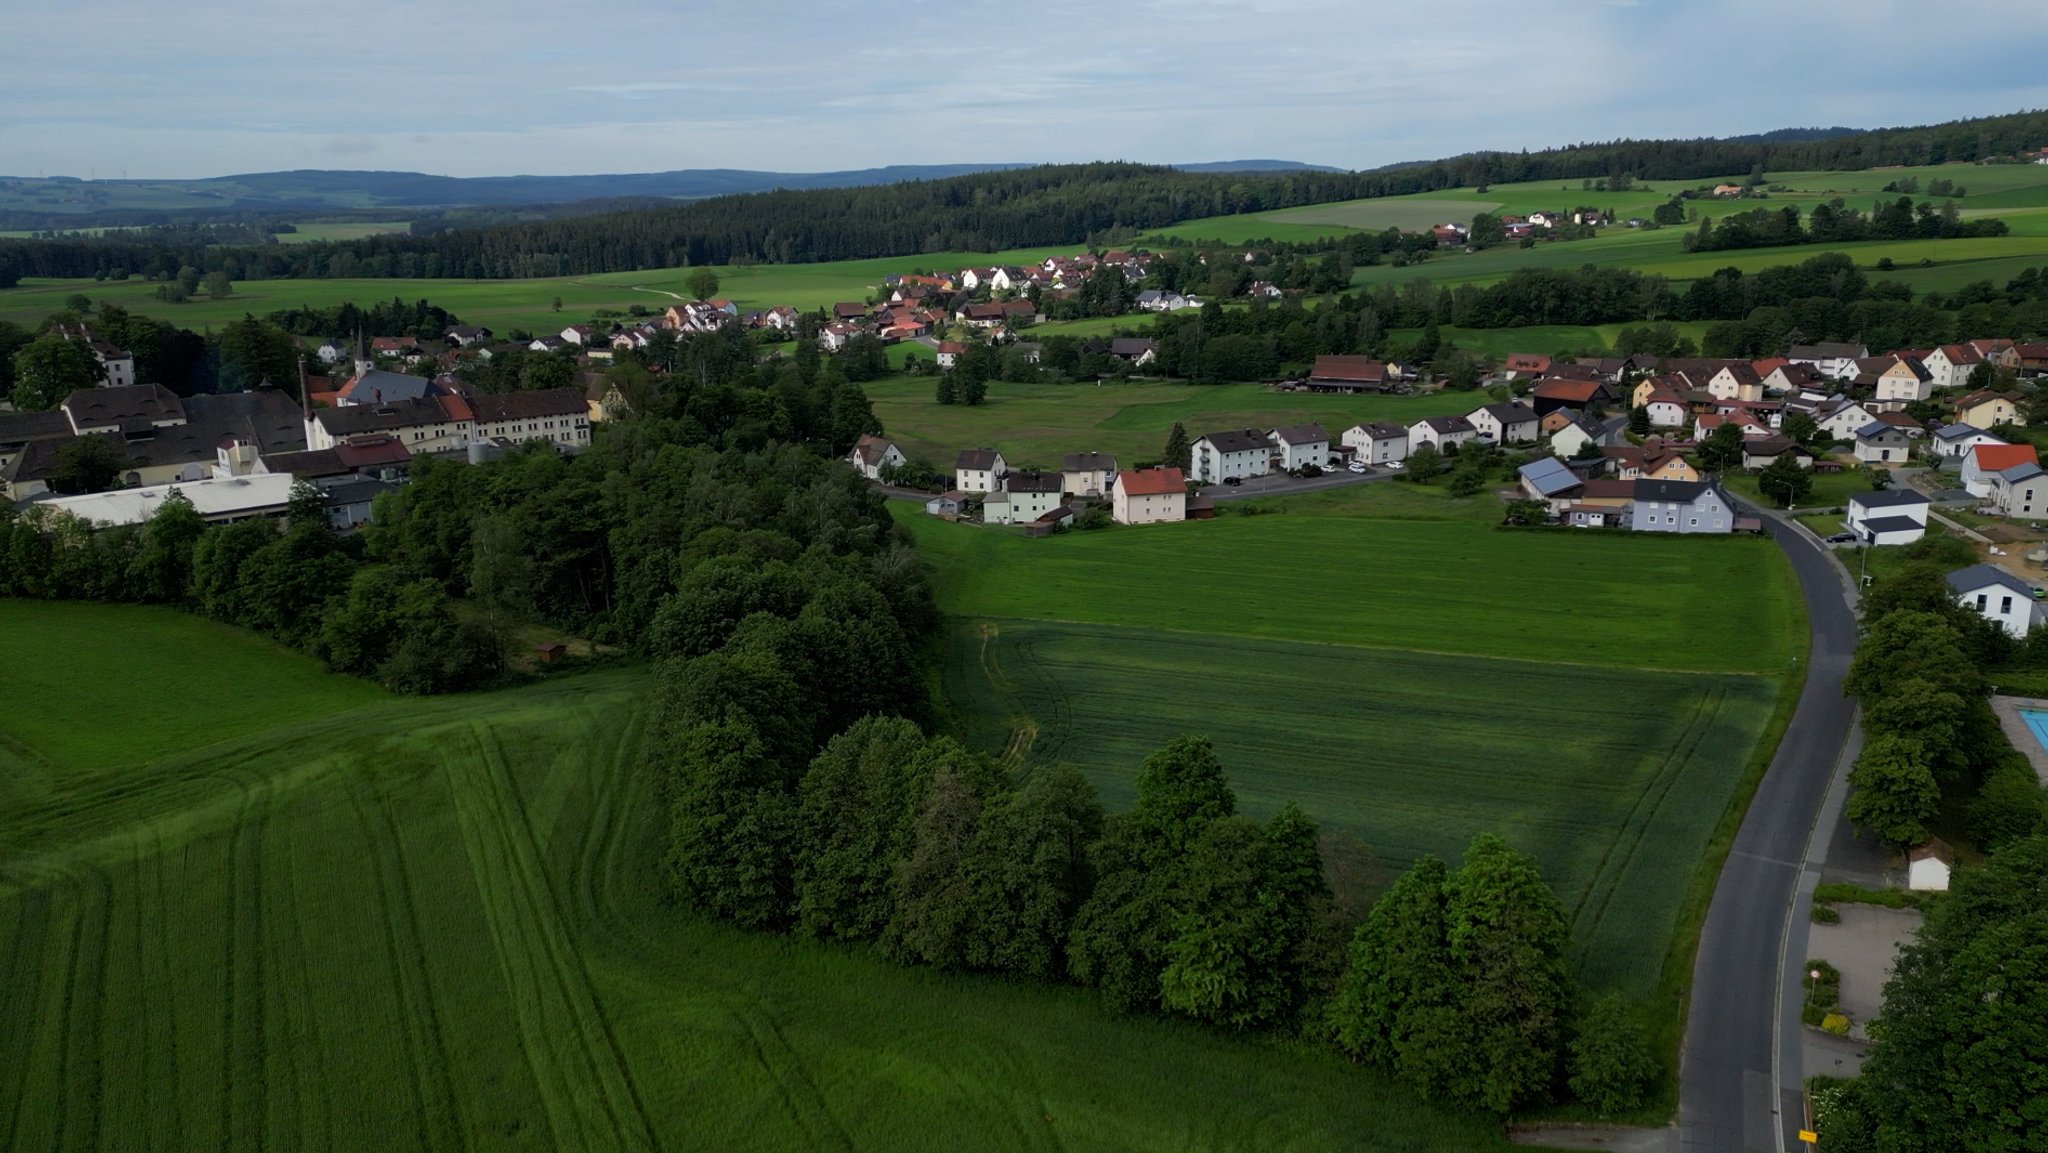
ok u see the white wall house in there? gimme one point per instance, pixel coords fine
(1880, 443)
(1299, 445)
(1950, 365)
(1441, 432)
(1893, 516)
(1842, 421)
(1982, 464)
(1377, 443)
(1956, 440)
(871, 454)
(2021, 490)
(1666, 411)
(1221, 455)
(1928, 867)
(1998, 596)
(1149, 496)
(1022, 498)
(1504, 423)
(1904, 382)
(1088, 473)
(979, 470)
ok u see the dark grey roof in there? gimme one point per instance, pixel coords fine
(1509, 413)
(1040, 482)
(1957, 432)
(1876, 430)
(307, 463)
(1383, 430)
(1980, 575)
(1087, 461)
(1884, 524)
(1237, 440)
(1444, 424)
(267, 416)
(1826, 351)
(1674, 491)
(976, 459)
(22, 427)
(356, 419)
(1550, 476)
(109, 407)
(360, 491)
(1131, 346)
(1302, 434)
(534, 405)
(1888, 498)
(380, 387)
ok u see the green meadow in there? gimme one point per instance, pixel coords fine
(1411, 675)
(316, 917)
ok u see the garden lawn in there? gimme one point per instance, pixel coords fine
(432, 924)
(1613, 779)
(1039, 423)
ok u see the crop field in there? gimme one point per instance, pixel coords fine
(311, 231)
(1612, 778)
(1038, 423)
(403, 924)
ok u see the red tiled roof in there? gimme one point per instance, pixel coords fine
(1152, 482)
(1358, 368)
(1575, 391)
(1999, 457)
(456, 407)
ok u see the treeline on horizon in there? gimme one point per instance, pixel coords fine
(984, 212)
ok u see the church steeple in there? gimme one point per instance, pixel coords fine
(363, 362)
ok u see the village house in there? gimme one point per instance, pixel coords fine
(1955, 440)
(1680, 507)
(1763, 452)
(1632, 462)
(1583, 395)
(1834, 361)
(1987, 409)
(1881, 443)
(1841, 421)
(1951, 365)
(871, 454)
(1998, 596)
(1888, 517)
(1982, 464)
(1164, 300)
(156, 436)
(1220, 456)
(1789, 378)
(1666, 410)
(978, 470)
(949, 352)
(1139, 351)
(1526, 365)
(1504, 423)
(1902, 382)
(1735, 382)
(1440, 432)
(2018, 490)
(1088, 473)
(1022, 497)
(1572, 439)
(1298, 446)
(1149, 496)
(1377, 443)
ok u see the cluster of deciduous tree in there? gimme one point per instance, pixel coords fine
(39, 368)
(1931, 742)
(1955, 1059)
(394, 317)
(294, 581)
(1834, 223)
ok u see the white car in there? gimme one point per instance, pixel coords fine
(1395, 464)
(1354, 467)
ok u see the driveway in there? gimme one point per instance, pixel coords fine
(1280, 484)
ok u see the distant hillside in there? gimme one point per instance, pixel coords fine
(1785, 135)
(67, 202)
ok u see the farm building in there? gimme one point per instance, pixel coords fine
(1149, 496)
(1893, 516)
(1348, 374)
(1549, 480)
(1583, 395)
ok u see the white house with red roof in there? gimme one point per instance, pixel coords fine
(1149, 496)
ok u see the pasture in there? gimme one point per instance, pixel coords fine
(432, 924)
(309, 232)
(1035, 424)
(1612, 778)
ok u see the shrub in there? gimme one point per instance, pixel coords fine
(1611, 1065)
(1823, 993)
(1836, 1023)
(1826, 915)
(2008, 807)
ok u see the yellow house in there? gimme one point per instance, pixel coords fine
(1985, 409)
(1669, 468)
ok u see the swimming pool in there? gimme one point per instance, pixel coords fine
(2037, 724)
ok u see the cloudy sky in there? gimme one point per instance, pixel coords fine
(539, 86)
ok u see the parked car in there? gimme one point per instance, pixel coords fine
(1395, 464)
(1843, 538)
(1233, 481)
(1356, 466)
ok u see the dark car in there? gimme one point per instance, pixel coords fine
(1233, 481)
(1843, 538)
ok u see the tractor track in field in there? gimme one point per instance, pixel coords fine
(402, 991)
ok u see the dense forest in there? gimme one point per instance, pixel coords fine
(1019, 208)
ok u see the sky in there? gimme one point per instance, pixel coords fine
(454, 87)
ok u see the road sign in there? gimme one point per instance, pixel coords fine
(1808, 1136)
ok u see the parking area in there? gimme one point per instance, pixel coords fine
(1280, 484)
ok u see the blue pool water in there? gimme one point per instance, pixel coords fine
(2037, 723)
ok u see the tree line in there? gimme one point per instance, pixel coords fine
(986, 212)
(1835, 223)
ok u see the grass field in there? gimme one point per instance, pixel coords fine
(1408, 673)
(1611, 778)
(403, 924)
(1384, 567)
(310, 231)
(1038, 423)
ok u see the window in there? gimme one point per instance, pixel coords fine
(1694, 522)
(1982, 600)
(2005, 604)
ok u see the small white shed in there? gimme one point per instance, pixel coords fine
(1928, 867)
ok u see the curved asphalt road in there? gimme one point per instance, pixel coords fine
(1728, 1099)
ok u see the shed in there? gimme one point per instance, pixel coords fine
(550, 652)
(1928, 866)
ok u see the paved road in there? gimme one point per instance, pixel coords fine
(1280, 484)
(1728, 1098)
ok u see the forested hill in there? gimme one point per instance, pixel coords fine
(1018, 208)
